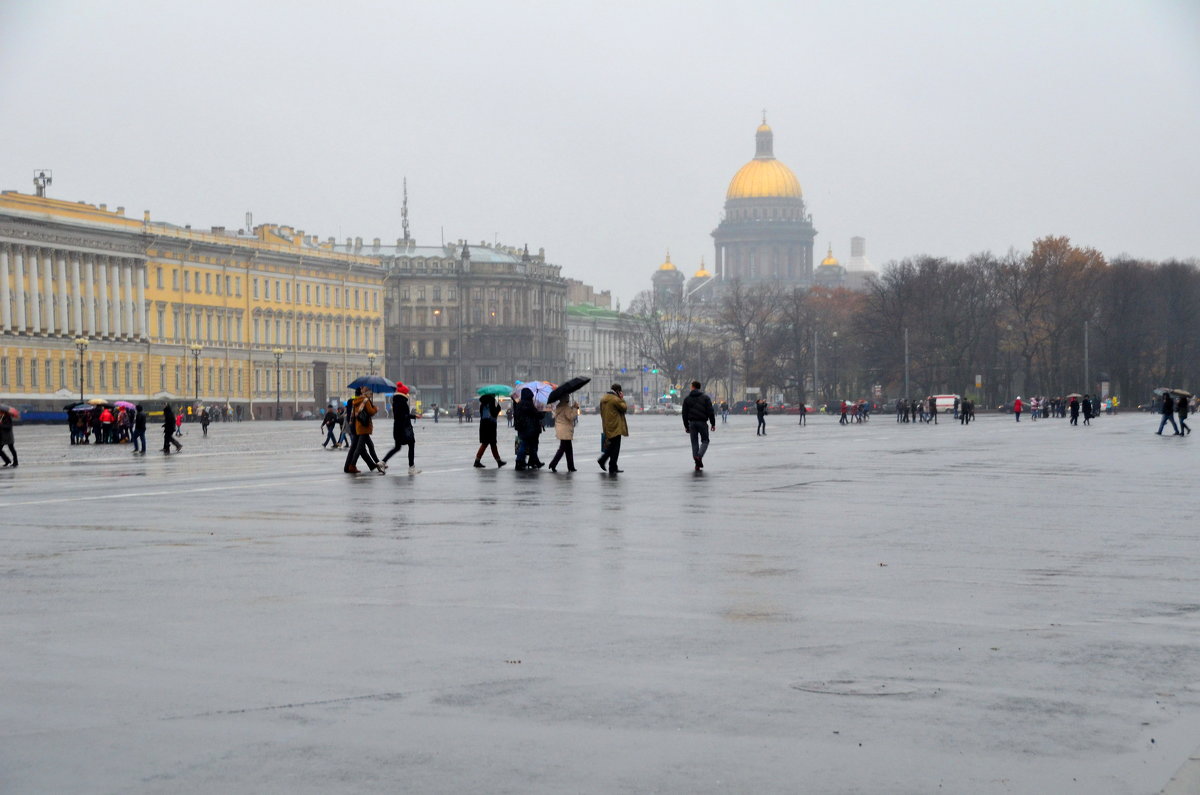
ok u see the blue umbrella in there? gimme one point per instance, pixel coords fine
(376, 383)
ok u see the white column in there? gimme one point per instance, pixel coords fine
(49, 299)
(139, 314)
(5, 294)
(114, 306)
(76, 298)
(102, 295)
(89, 297)
(19, 284)
(63, 325)
(127, 299)
(35, 292)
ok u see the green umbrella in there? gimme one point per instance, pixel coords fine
(498, 390)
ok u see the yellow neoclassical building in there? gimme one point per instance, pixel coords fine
(93, 302)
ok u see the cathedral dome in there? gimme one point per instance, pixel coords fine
(830, 259)
(668, 265)
(764, 176)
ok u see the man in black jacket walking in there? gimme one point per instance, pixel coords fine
(698, 417)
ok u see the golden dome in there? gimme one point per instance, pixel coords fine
(829, 258)
(668, 265)
(703, 272)
(764, 177)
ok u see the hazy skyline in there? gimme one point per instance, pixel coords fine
(607, 133)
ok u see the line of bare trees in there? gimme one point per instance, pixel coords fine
(1055, 320)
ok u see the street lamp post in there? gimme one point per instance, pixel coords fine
(196, 348)
(371, 363)
(278, 353)
(81, 343)
(836, 390)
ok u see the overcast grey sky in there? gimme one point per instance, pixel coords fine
(607, 132)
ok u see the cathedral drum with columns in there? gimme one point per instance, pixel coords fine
(766, 234)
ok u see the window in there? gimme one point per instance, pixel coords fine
(162, 323)
(218, 285)
(356, 299)
(254, 285)
(128, 374)
(287, 292)
(103, 375)
(257, 335)
(308, 293)
(162, 377)
(174, 279)
(437, 293)
(33, 373)
(375, 301)
(187, 281)
(278, 292)
(178, 382)
(208, 283)
(226, 285)
(141, 377)
(62, 373)
(237, 286)
(116, 374)
(158, 280)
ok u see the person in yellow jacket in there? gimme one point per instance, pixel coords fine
(612, 417)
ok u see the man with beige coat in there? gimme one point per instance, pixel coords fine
(612, 417)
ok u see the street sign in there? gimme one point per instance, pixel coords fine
(978, 381)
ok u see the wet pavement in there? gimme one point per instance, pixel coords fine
(883, 608)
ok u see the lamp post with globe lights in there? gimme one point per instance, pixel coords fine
(196, 348)
(278, 354)
(81, 344)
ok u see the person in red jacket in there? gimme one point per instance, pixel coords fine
(1017, 408)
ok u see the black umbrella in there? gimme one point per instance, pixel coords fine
(565, 388)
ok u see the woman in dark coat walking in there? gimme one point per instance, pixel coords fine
(169, 430)
(489, 413)
(1181, 408)
(527, 421)
(6, 438)
(402, 431)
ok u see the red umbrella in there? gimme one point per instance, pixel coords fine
(11, 411)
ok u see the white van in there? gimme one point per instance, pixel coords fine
(945, 403)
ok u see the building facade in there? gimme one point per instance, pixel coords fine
(265, 322)
(461, 316)
(601, 345)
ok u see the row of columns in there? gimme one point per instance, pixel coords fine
(106, 298)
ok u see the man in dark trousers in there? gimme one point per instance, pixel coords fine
(698, 413)
(1168, 414)
(760, 408)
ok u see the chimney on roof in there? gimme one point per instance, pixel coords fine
(358, 244)
(375, 245)
(104, 207)
(145, 216)
(218, 230)
(120, 211)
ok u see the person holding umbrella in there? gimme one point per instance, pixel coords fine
(612, 418)
(402, 429)
(489, 412)
(169, 430)
(6, 436)
(360, 412)
(697, 412)
(1168, 413)
(527, 420)
(565, 413)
